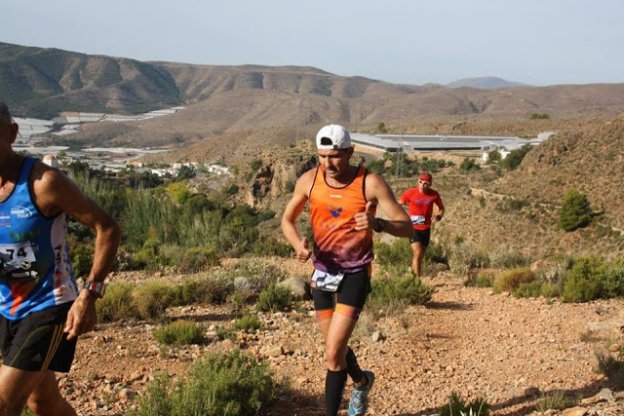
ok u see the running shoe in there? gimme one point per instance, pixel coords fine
(359, 396)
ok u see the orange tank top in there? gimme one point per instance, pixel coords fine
(338, 247)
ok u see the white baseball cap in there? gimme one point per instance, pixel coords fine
(333, 136)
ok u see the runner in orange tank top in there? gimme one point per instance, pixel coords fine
(343, 200)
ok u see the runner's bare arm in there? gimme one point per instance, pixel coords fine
(379, 192)
(293, 209)
(55, 193)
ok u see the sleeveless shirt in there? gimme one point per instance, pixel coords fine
(338, 247)
(35, 270)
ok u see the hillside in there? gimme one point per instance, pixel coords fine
(228, 99)
(40, 82)
(589, 158)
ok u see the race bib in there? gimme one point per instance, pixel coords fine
(16, 261)
(327, 282)
(417, 219)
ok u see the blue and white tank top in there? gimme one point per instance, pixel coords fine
(35, 270)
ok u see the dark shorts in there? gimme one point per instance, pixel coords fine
(37, 342)
(422, 237)
(353, 291)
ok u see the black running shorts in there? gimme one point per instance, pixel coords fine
(353, 291)
(422, 237)
(37, 341)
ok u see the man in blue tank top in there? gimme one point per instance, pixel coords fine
(42, 310)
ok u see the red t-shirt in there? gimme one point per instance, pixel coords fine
(420, 206)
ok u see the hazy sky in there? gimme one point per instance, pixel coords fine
(539, 42)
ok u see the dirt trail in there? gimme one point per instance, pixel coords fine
(466, 340)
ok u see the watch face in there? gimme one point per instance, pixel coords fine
(96, 288)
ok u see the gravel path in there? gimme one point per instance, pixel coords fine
(467, 340)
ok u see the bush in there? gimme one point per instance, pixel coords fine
(575, 211)
(557, 400)
(274, 298)
(585, 281)
(458, 407)
(247, 323)
(510, 280)
(397, 253)
(485, 278)
(469, 165)
(269, 246)
(196, 259)
(515, 157)
(153, 298)
(207, 289)
(529, 290)
(612, 367)
(117, 303)
(398, 292)
(218, 385)
(539, 116)
(505, 257)
(180, 333)
(466, 257)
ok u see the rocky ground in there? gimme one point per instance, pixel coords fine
(466, 340)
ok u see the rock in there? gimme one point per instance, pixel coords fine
(377, 336)
(574, 411)
(297, 286)
(126, 394)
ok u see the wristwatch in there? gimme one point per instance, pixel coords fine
(97, 289)
(380, 225)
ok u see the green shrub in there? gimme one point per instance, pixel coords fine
(528, 290)
(398, 292)
(156, 400)
(153, 298)
(515, 157)
(180, 333)
(458, 407)
(614, 280)
(397, 253)
(557, 400)
(218, 385)
(539, 116)
(274, 298)
(117, 303)
(575, 211)
(584, 282)
(612, 367)
(510, 280)
(247, 323)
(435, 253)
(269, 246)
(485, 278)
(205, 289)
(505, 257)
(196, 259)
(469, 165)
(466, 257)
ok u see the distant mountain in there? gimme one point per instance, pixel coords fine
(485, 83)
(224, 100)
(40, 82)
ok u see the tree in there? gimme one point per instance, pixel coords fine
(575, 211)
(515, 157)
(494, 157)
(381, 128)
(469, 165)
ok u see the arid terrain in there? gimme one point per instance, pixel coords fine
(466, 340)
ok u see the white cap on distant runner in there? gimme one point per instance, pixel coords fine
(333, 136)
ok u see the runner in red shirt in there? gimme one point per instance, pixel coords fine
(420, 201)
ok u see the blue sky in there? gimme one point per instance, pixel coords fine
(541, 42)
